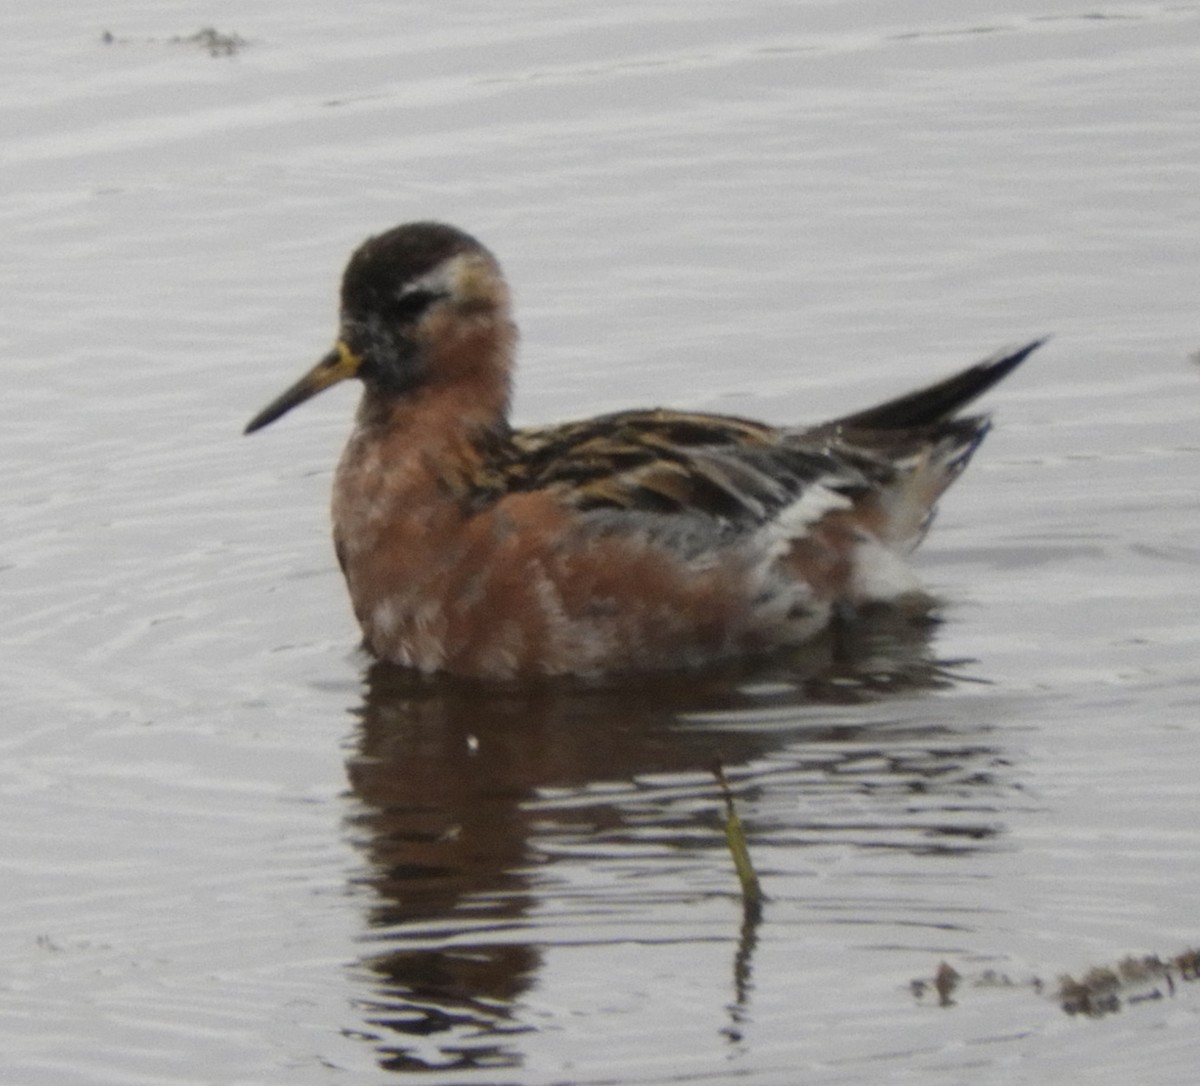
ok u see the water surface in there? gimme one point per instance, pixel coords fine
(235, 852)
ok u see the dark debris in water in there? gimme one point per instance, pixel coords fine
(215, 43)
(1101, 991)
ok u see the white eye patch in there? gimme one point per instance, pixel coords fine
(438, 282)
(466, 278)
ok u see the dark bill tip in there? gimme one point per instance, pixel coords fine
(340, 364)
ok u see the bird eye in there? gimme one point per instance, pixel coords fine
(412, 303)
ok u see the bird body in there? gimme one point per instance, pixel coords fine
(634, 541)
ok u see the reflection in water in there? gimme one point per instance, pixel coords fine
(470, 795)
(752, 913)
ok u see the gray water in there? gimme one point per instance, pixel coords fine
(233, 852)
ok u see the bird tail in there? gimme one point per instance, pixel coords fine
(925, 441)
(939, 401)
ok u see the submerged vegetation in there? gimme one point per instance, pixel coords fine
(735, 837)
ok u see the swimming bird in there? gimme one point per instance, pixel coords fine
(635, 541)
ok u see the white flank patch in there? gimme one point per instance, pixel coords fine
(501, 657)
(385, 618)
(410, 634)
(794, 520)
(881, 574)
(547, 594)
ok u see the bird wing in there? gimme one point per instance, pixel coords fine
(735, 474)
(731, 471)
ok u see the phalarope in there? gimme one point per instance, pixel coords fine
(628, 542)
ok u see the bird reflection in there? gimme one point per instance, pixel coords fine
(452, 780)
